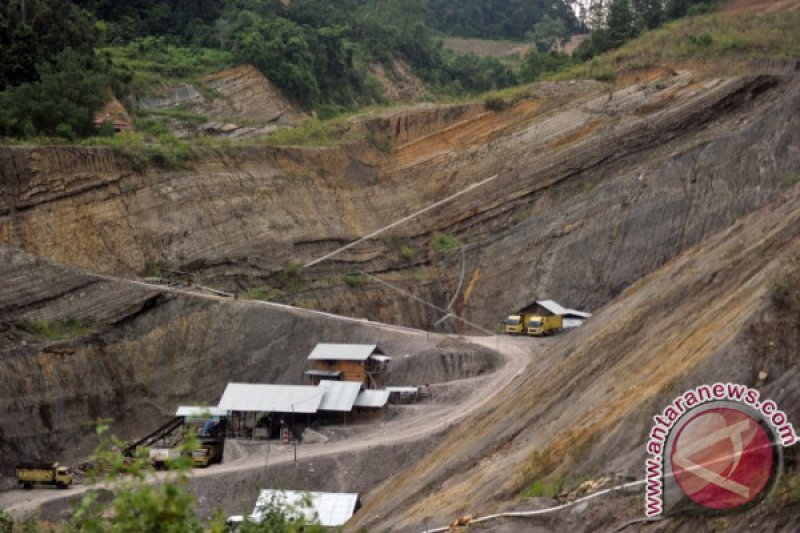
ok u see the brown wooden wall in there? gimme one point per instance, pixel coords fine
(351, 370)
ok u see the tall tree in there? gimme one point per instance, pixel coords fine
(621, 23)
(650, 12)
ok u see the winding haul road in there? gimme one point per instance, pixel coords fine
(427, 420)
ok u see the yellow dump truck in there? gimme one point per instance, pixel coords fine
(539, 325)
(208, 453)
(515, 324)
(30, 474)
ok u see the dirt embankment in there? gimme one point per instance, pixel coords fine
(713, 314)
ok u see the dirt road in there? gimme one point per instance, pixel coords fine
(418, 423)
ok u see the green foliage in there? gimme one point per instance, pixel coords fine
(138, 503)
(278, 516)
(61, 102)
(406, 252)
(144, 65)
(167, 151)
(34, 32)
(355, 280)
(258, 293)
(547, 33)
(380, 143)
(313, 132)
(143, 502)
(537, 65)
(56, 330)
(788, 181)
(540, 488)
(731, 40)
(780, 291)
(497, 19)
(505, 98)
(291, 277)
(606, 75)
(679, 8)
(442, 242)
(6, 522)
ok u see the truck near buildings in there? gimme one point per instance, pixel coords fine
(161, 457)
(515, 324)
(30, 474)
(209, 453)
(540, 325)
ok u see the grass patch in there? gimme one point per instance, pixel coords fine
(407, 252)
(148, 64)
(314, 133)
(788, 181)
(505, 98)
(258, 293)
(355, 280)
(56, 330)
(543, 489)
(719, 42)
(442, 242)
(167, 152)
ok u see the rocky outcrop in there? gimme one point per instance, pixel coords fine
(236, 102)
(593, 191)
(399, 83)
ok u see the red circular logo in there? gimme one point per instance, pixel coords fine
(722, 458)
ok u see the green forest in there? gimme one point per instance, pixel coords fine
(57, 56)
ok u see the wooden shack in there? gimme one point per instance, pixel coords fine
(363, 363)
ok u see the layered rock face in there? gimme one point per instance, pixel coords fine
(594, 190)
(143, 350)
(718, 313)
(237, 102)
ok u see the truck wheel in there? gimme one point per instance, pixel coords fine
(27, 486)
(61, 485)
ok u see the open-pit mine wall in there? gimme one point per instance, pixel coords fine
(595, 189)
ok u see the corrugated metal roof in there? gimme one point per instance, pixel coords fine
(323, 373)
(198, 411)
(557, 309)
(372, 398)
(552, 306)
(576, 313)
(342, 352)
(403, 390)
(339, 395)
(251, 397)
(331, 509)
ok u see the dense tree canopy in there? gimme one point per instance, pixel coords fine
(317, 51)
(50, 80)
(497, 19)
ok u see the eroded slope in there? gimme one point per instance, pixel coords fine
(595, 189)
(718, 312)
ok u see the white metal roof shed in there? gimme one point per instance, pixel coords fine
(343, 352)
(331, 509)
(372, 398)
(558, 309)
(339, 395)
(199, 411)
(250, 397)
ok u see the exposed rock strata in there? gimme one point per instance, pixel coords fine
(594, 192)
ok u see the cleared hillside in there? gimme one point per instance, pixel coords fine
(716, 313)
